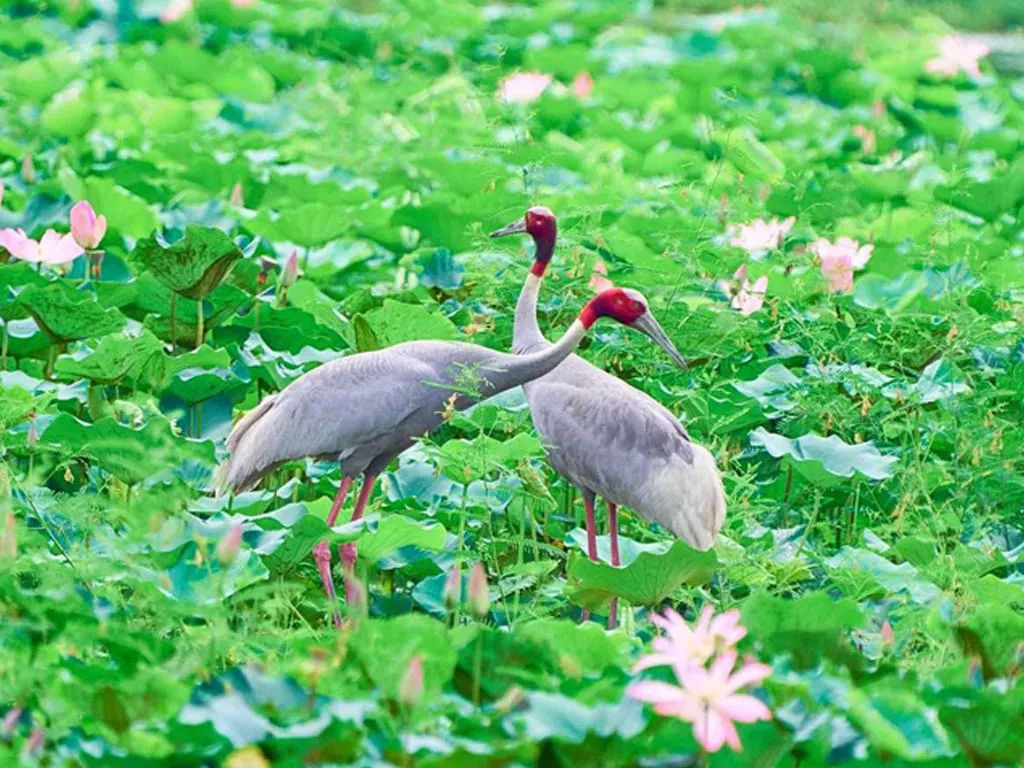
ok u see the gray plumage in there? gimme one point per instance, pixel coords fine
(365, 409)
(612, 440)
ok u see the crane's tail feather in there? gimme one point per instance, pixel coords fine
(235, 474)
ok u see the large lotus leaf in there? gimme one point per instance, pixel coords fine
(826, 459)
(378, 537)
(852, 563)
(773, 389)
(560, 718)
(648, 580)
(204, 373)
(584, 648)
(994, 635)
(131, 455)
(17, 404)
(808, 627)
(67, 314)
(386, 646)
(310, 225)
(115, 358)
(204, 580)
(939, 381)
(750, 156)
(16, 276)
(483, 456)
(896, 722)
(985, 722)
(290, 329)
(194, 265)
(875, 291)
(396, 322)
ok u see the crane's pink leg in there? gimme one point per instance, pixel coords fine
(348, 551)
(322, 551)
(588, 505)
(613, 533)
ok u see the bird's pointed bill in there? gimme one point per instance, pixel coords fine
(647, 324)
(517, 227)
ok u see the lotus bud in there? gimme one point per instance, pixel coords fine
(33, 748)
(9, 539)
(355, 595)
(9, 724)
(479, 600)
(230, 543)
(237, 198)
(888, 638)
(32, 439)
(87, 228)
(410, 689)
(290, 271)
(452, 594)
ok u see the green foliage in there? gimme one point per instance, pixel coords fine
(869, 440)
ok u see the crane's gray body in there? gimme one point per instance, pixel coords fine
(612, 440)
(364, 410)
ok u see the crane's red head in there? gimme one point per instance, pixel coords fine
(540, 223)
(630, 308)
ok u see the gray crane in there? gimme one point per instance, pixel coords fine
(607, 438)
(365, 409)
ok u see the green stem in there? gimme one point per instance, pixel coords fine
(478, 663)
(199, 323)
(174, 323)
(3, 351)
(51, 360)
(199, 420)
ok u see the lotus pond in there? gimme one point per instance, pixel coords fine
(827, 217)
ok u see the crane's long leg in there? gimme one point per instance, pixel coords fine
(588, 505)
(348, 551)
(322, 551)
(613, 533)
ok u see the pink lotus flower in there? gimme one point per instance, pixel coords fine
(958, 54)
(839, 260)
(748, 297)
(230, 543)
(708, 698)
(410, 689)
(479, 598)
(523, 87)
(760, 235)
(452, 594)
(599, 281)
(53, 249)
(175, 10)
(87, 228)
(680, 643)
(583, 85)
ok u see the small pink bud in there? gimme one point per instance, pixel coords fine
(9, 539)
(453, 588)
(237, 199)
(33, 748)
(10, 722)
(87, 228)
(290, 271)
(28, 169)
(355, 595)
(887, 635)
(230, 543)
(32, 439)
(478, 598)
(175, 10)
(410, 689)
(242, 3)
(583, 85)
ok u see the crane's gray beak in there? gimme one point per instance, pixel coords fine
(517, 227)
(647, 324)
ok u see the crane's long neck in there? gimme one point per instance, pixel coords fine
(526, 334)
(512, 370)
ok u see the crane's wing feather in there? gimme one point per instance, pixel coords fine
(332, 411)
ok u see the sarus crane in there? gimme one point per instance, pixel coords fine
(363, 410)
(608, 438)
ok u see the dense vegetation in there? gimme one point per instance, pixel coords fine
(864, 401)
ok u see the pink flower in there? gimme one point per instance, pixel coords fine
(839, 260)
(52, 249)
(868, 143)
(410, 689)
(243, 3)
(175, 10)
(523, 87)
(230, 543)
(958, 54)
(478, 598)
(87, 228)
(599, 278)
(760, 236)
(10, 722)
(708, 698)
(582, 85)
(289, 271)
(748, 297)
(237, 198)
(888, 638)
(684, 645)
(452, 593)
